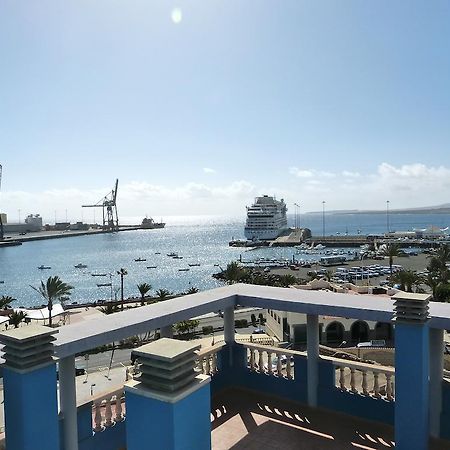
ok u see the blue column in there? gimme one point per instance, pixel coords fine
(30, 389)
(412, 362)
(312, 342)
(159, 421)
(169, 406)
(411, 382)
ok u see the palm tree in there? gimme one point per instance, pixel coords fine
(409, 280)
(52, 290)
(5, 301)
(16, 317)
(192, 290)
(391, 250)
(122, 272)
(287, 280)
(233, 273)
(162, 294)
(143, 289)
(109, 309)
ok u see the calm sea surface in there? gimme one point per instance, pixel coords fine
(202, 240)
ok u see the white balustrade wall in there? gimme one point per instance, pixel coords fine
(274, 361)
(365, 379)
(108, 409)
(207, 359)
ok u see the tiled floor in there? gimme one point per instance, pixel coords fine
(246, 420)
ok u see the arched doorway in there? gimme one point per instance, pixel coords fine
(384, 331)
(334, 333)
(359, 331)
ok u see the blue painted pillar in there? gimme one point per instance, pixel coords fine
(229, 331)
(312, 343)
(30, 389)
(436, 374)
(411, 371)
(169, 407)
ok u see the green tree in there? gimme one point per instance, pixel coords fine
(109, 309)
(53, 290)
(144, 288)
(192, 290)
(438, 276)
(5, 301)
(186, 327)
(234, 273)
(16, 317)
(287, 280)
(391, 251)
(409, 280)
(163, 294)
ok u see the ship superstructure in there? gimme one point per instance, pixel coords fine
(266, 218)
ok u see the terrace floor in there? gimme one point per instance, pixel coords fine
(248, 420)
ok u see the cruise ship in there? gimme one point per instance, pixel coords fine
(266, 218)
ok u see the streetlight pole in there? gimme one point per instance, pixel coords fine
(122, 272)
(323, 218)
(387, 215)
(297, 215)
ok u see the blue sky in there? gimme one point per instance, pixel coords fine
(343, 101)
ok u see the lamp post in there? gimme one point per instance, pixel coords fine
(122, 272)
(297, 215)
(387, 215)
(323, 218)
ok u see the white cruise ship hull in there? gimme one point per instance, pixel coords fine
(261, 235)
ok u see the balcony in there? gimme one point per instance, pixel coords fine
(250, 395)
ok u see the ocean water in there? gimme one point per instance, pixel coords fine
(202, 240)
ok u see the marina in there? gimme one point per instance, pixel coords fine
(203, 246)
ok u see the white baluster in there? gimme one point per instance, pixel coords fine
(97, 417)
(207, 365)
(214, 363)
(279, 366)
(389, 386)
(376, 385)
(260, 361)
(118, 417)
(269, 363)
(352, 381)
(341, 378)
(252, 359)
(364, 382)
(108, 413)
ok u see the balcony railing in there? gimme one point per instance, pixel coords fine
(207, 359)
(365, 379)
(274, 361)
(108, 409)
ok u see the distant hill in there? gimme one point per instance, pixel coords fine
(439, 209)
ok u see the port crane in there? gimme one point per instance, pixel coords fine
(109, 208)
(1, 221)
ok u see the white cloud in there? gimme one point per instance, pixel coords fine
(208, 170)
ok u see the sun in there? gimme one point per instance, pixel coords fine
(176, 15)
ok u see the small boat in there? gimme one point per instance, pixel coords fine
(140, 259)
(152, 267)
(2, 282)
(216, 265)
(172, 254)
(183, 270)
(103, 284)
(157, 253)
(42, 267)
(194, 265)
(99, 274)
(177, 257)
(80, 266)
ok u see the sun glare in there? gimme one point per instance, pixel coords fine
(176, 15)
